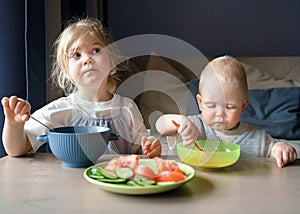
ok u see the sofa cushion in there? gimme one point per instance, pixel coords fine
(277, 110)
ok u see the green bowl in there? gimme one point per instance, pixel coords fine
(216, 154)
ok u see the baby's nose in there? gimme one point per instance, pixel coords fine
(220, 111)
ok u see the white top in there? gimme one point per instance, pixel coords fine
(120, 114)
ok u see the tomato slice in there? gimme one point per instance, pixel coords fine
(166, 165)
(144, 171)
(123, 161)
(168, 176)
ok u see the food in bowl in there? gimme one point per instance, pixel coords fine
(77, 146)
(216, 154)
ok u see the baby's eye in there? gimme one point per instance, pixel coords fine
(230, 107)
(210, 105)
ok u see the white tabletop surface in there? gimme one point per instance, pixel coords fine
(40, 184)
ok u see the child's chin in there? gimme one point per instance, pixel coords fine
(218, 126)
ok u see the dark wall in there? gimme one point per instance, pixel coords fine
(12, 54)
(215, 27)
(22, 54)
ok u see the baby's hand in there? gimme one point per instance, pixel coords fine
(188, 131)
(151, 146)
(283, 153)
(16, 110)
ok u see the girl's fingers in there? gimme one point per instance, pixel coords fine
(5, 102)
(151, 146)
(154, 153)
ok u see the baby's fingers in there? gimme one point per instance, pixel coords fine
(279, 160)
(284, 157)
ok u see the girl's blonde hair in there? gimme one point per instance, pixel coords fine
(76, 30)
(227, 69)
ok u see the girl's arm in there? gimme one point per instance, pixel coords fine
(14, 138)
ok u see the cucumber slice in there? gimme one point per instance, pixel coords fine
(96, 176)
(133, 183)
(115, 181)
(124, 173)
(108, 174)
(143, 181)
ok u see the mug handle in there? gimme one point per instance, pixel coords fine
(42, 138)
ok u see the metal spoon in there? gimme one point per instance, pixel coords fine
(41, 123)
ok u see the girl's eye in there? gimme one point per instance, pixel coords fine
(96, 50)
(75, 55)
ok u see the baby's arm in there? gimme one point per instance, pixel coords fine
(14, 138)
(283, 153)
(187, 129)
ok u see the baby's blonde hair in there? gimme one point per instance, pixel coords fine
(76, 30)
(227, 69)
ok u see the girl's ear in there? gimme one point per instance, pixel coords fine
(199, 101)
(245, 105)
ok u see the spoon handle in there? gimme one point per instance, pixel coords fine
(195, 144)
(41, 123)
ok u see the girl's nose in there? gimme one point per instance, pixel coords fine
(87, 59)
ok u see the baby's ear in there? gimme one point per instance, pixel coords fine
(245, 105)
(199, 101)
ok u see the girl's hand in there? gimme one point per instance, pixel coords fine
(16, 110)
(188, 131)
(283, 154)
(151, 146)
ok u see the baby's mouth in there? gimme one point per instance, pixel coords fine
(218, 125)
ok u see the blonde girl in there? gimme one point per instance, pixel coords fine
(83, 67)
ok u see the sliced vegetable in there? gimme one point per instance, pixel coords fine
(96, 176)
(116, 181)
(143, 181)
(133, 183)
(123, 161)
(168, 176)
(108, 174)
(124, 173)
(144, 171)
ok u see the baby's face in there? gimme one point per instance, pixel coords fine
(221, 105)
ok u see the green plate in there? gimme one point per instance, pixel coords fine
(132, 190)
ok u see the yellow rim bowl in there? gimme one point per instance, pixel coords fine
(221, 154)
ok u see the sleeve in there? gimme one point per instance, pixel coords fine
(269, 144)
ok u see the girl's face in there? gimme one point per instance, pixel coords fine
(222, 105)
(89, 64)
